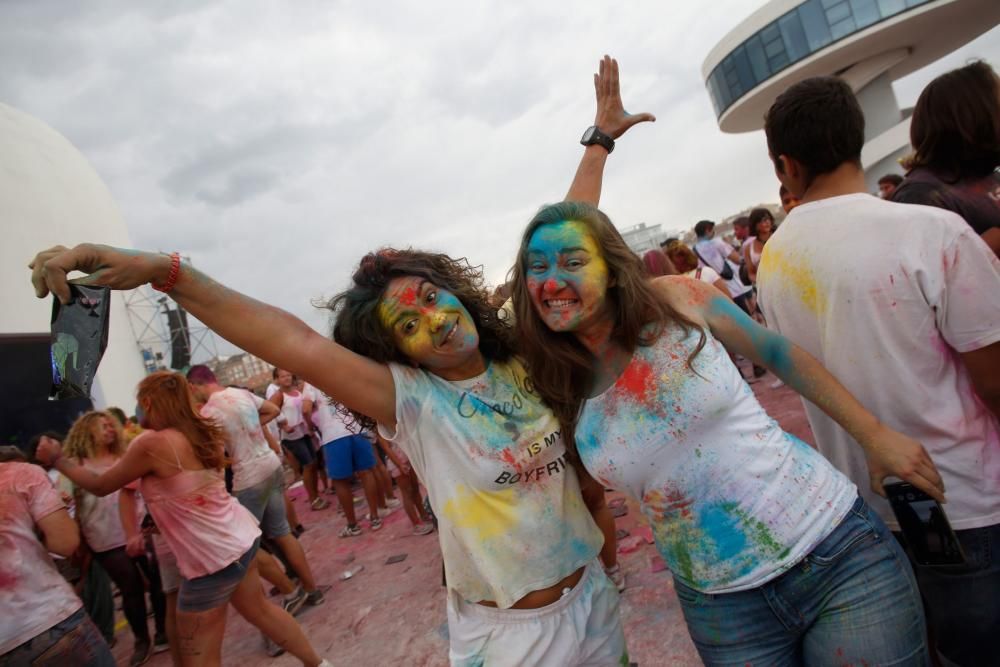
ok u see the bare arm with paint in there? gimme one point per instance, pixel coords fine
(270, 333)
(612, 120)
(133, 465)
(888, 452)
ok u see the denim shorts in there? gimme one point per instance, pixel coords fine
(301, 449)
(346, 456)
(266, 501)
(852, 600)
(73, 641)
(214, 590)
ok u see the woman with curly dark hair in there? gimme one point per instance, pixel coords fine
(955, 133)
(419, 351)
(178, 462)
(775, 557)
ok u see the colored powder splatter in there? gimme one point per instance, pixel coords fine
(795, 272)
(638, 381)
(490, 514)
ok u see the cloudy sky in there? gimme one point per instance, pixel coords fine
(275, 143)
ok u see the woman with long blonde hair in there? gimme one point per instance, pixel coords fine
(96, 443)
(178, 462)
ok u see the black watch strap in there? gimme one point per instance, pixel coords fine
(592, 135)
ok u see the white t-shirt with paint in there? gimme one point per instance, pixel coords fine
(733, 500)
(33, 595)
(325, 416)
(887, 296)
(510, 515)
(237, 411)
(99, 517)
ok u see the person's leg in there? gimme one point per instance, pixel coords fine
(384, 485)
(150, 568)
(346, 499)
(271, 572)
(309, 479)
(857, 597)
(126, 576)
(364, 463)
(406, 491)
(372, 493)
(418, 498)
(963, 603)
(275, 528)
(273, 621)
(296, 556)
(291, 515)
(97, 600)
(173, 639)
(199, 636)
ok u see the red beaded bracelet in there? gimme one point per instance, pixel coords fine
(175, 271)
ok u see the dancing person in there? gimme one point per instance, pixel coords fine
(44, 622)
(179, 463)
(909, 320)
(423, 354)
(258, 478)
(743, 513)
(296, 438)
(96, 442)
(955, 132)
(409, 486)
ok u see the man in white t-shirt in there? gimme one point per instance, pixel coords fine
(43, 621)
(258, 479)
(296, 433)
(717, 255)
(902, 304)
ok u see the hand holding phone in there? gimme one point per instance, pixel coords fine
(925, 526)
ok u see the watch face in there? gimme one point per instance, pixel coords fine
(588, 134)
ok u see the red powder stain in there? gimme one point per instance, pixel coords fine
(638, 381)
(199, 501)
(7, 579)
(409, 296)
(892, 280)
(509, 459)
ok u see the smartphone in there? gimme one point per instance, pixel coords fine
(925, 526)
(79, 338)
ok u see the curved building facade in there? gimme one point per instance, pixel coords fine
(869, 43)
(51, 195)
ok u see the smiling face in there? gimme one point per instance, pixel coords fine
(567, 276)
(764, 229)
(431, 327)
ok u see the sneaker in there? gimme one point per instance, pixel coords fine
(350, 531)
(319, 504)
(294, 602)
(141, 655)
(160, 643)
(315, 598)
(393, 503)
(271, 648)
(777, 384)
(374, 523)
(423, 529)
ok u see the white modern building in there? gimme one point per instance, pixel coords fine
(49, 195)
(868, 43)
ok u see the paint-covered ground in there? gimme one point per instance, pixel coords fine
(389, 614)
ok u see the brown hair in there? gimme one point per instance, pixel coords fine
(359, 328)
(560, 366)
(955, 128)
(82, 441)
(171, 405)
(658, 264)
(682, 256)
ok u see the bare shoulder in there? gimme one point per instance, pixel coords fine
(686, 295)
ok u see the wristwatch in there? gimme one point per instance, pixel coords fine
(592, 136)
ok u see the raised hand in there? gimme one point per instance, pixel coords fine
(611, 117)
(106, 266)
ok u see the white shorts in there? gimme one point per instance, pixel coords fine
(584, 627)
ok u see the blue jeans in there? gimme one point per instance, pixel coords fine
(852, 600)
(266, 501)
(963, 603)
(73, 641)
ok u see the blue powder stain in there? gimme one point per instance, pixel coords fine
(773, 349)
(723, 529)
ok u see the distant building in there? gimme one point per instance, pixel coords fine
(643, 237)
(244, 370)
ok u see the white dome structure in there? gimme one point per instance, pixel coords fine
(49, 195)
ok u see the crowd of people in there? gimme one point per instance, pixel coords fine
(604, 370)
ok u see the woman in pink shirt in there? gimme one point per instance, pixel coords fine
(179, 463)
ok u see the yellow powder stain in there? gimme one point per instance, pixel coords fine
(793, 274)
(490, 514)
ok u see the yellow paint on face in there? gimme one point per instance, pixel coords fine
(491, 514)
(794, 274)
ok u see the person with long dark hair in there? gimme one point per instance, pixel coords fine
(955, 133)
(776, 560)
(179, 463)
(420, 353)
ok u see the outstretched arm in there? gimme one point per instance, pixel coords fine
(612, 120)
(888, 452)
(270, 333)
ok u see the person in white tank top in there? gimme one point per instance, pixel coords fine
(741, 511)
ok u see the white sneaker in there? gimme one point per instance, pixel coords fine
(777, 384)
